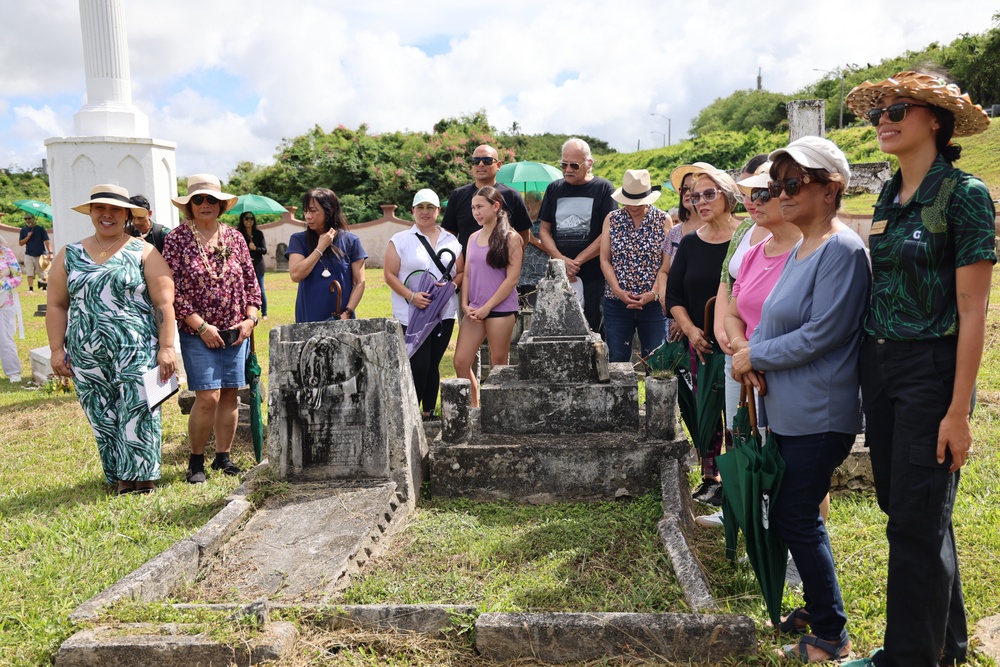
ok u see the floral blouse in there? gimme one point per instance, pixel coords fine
(10, 276)
(222, 302)
(636, 254)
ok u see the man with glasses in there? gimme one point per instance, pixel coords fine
(36, 243)
(572, 215)
(458, 216)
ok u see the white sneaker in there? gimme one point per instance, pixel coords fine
(713, 520)
(15, 379)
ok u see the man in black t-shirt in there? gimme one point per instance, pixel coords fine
(458, 216)
(572, 216)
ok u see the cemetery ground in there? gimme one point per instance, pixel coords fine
(64, 538)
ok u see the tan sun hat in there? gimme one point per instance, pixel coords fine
(206, 184)
(677, 175)
(107, 193)
(760, 179)
(969, 118)
(636, 189)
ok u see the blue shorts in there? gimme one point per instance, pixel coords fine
(213, 368)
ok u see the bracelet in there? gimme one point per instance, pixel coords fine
(412, 294)
(733, 341)
(201, 329)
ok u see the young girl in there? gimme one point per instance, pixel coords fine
(489, 301)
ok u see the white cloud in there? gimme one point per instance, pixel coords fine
(583, 66)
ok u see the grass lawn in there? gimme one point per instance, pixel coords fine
(63, 538)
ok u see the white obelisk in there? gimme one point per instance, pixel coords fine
(112, 142)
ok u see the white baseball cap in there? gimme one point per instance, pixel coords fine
(816, 153)
(426, 195)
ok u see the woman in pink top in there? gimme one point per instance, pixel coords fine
(489, 301)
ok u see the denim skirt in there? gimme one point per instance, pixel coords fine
(213, 368)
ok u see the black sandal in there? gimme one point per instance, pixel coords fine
(789, 626)
(837, 653)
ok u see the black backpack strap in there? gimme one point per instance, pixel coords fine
(436, 257)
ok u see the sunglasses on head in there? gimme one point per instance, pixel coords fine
(760, 195)
(483, 160)
(897, 112)
(708, 195)
(570, 165)
(198, 200)
(791, 186)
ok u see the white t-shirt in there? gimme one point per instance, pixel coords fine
(414, 257)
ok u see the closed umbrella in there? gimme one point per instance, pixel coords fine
(751, 476)
(702, 398)
(256, 204)
(36, 208)
(528, 176)
(423, 321)
(253, 374)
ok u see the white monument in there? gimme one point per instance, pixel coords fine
(112, 142)
(806, 118)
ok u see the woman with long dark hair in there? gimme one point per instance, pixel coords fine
(489, 300)
(258, 249)
(324, 253)
(932, 249)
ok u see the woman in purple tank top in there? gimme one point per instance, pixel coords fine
(489, 301)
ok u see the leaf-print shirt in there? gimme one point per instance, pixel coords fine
(636, 254)
(948, 223)
(221, 302)
(10, 276)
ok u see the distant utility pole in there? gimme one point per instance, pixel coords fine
(668, 125)
(758, 78)
(661, 135)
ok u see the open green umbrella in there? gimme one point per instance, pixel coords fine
(253, 373)
(34, 207)
(256, 204)
(751, 476)
(527, 176)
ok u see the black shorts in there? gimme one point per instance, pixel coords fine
(501, 313)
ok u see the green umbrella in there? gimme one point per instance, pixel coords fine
(256, 418)
(528, 176)
(256, 204)
(751, 476)
(36, 208)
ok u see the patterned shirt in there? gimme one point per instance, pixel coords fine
(744, 229)
(223, 302)
(948, 223)
(10, 276)
(636, 254)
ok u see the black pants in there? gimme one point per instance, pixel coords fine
(907, 387)
(593, 296)
(425, 364)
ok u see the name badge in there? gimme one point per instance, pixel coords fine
(878, 227)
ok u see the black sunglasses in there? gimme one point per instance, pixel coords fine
(760, 195)
(571, 165)
(791, 186)
(198, 200)
(484, 160)
(897, 112)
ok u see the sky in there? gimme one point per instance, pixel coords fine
(227, 80)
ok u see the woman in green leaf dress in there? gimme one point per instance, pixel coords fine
(110, 318)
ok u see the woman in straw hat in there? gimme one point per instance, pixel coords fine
(634, 266)
(932, 250)
(217, 298)
(110, 318)
(681, 181)
(693, 280)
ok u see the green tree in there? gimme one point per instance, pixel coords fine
(742, 111)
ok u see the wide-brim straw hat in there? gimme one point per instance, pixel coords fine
(206, 184)
(677, 175)
(636, 189)
(760, 179)
(969, 118)
(108, 193)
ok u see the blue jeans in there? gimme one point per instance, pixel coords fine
(809, 462)
(621, 323)
(263, 295)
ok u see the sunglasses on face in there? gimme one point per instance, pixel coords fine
(760, 195)
(198, 200)
(897, 112)
(483, 160)
(570, 165)
(791, 186)
(708, 195)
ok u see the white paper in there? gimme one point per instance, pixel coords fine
(156, 391)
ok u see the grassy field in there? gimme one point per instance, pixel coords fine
(63, 538)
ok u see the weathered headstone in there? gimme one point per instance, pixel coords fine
(806, 118)
(280, 261)
(342, 405)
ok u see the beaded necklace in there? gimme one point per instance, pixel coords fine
(220, 250)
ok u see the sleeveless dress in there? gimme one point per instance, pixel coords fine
(111, 340)
(484, 280)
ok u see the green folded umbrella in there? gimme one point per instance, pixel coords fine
(751, 476)
(253, 373)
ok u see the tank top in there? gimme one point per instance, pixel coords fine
(484, 280)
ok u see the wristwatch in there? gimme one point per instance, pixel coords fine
(252, 318)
